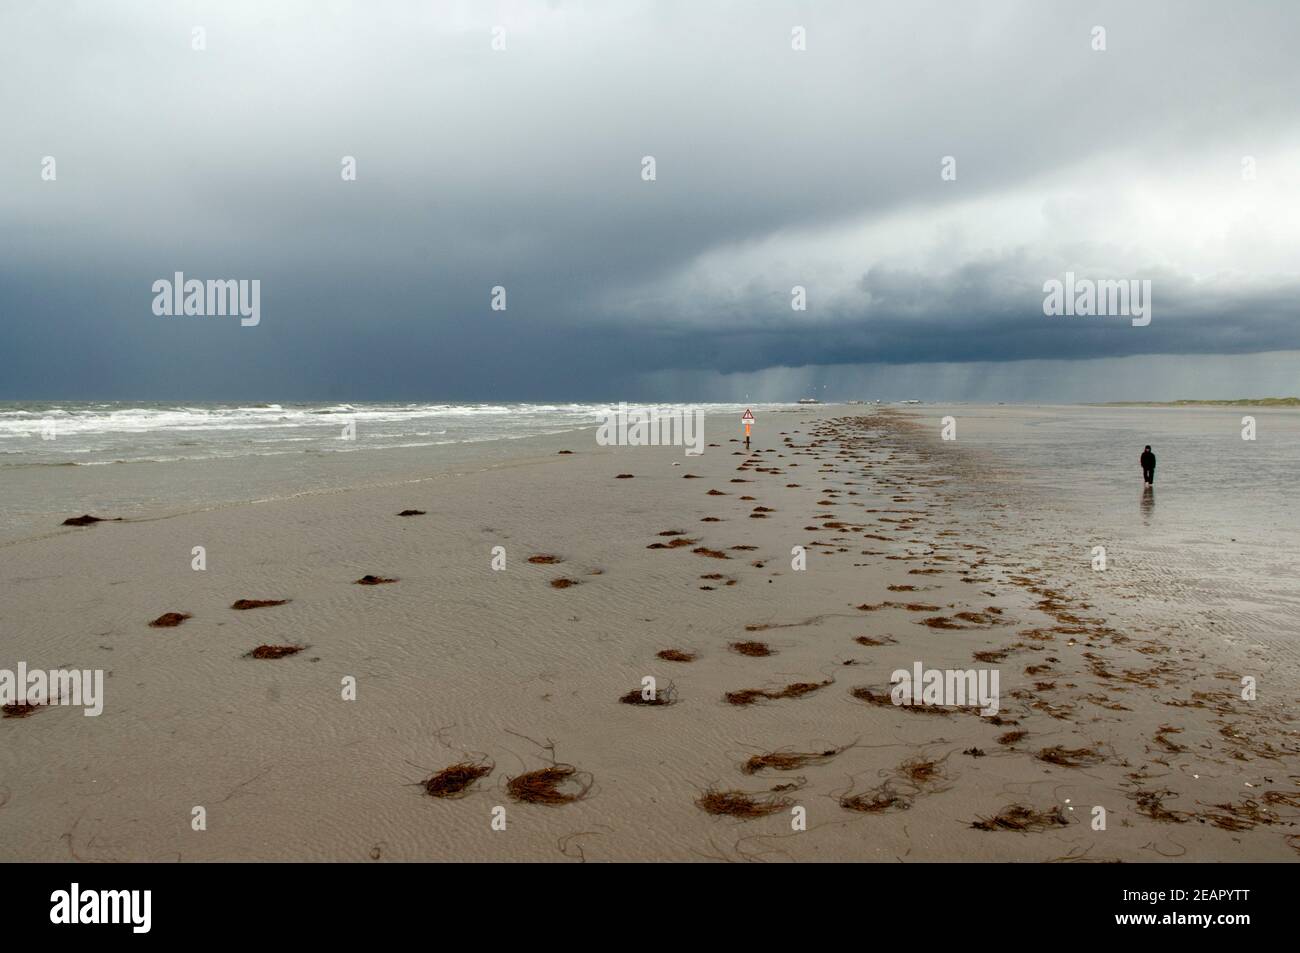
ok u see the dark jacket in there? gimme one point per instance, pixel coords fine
(1148, 460)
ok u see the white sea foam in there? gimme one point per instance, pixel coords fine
(99, 433)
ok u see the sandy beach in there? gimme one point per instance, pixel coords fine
(779, 698)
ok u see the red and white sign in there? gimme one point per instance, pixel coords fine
(747, 415)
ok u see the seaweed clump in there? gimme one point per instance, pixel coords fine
(1018, 817)
(454, 781)
(242, 604)
(659, 697)
(88, 520)
(739, 804)
(788, 760)
(1069, 757)
(558, 784)
(275, 651)
(748, 696)
(18, 709)
(876, 801)
(169, 620)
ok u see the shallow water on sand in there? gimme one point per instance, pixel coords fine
(1214, 546)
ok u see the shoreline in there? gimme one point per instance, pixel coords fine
(458, 663)
(38, 489)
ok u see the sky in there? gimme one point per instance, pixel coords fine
(919, 169)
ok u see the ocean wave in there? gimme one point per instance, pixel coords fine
(98, 434)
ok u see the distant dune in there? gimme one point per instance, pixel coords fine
(1242, 402)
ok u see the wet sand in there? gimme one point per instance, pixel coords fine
(458, 665)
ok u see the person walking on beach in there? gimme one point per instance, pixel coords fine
(1148, 460)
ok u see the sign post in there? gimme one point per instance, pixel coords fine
(747, 418)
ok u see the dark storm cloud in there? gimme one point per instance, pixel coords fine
(521, 168)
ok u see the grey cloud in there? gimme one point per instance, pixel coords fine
(521, 168)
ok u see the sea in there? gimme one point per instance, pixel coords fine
(135, 459)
